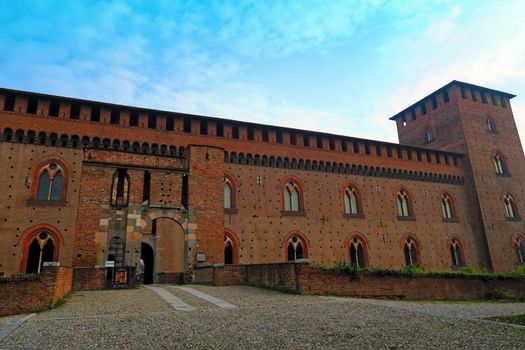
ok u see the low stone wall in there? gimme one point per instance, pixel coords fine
(29, 293)
(170, 278)
(89, 278)
(300, 278)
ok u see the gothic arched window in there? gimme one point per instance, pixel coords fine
(491, 128)
(50, 183)
(352, 205)
(296, 249)
(403, 204)
(499, 164)
(357, 252)
(228, 194)
(511, 210)
(456, 253)
(520, 250)
(41, 250)
(411, 252)
(428, 135)
(447, 207)
(292, 197)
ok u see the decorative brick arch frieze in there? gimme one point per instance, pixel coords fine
(28, 236)
(39, 167)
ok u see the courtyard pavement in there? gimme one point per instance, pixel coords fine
(206, 317)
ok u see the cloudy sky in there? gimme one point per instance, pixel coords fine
(335, 66)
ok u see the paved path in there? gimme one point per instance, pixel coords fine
(259, 319)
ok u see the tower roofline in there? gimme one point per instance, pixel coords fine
(452, 83)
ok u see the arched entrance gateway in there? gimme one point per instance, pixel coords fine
(147, 258)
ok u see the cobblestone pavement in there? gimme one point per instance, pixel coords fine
(263, 319)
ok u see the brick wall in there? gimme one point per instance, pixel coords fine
(30, 293)
(88, 278)
(300, 278)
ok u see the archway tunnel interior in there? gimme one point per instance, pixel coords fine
(147, 259)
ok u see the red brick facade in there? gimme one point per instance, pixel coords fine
(139, 184)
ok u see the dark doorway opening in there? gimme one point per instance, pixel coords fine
(147, 256)
(228, 254)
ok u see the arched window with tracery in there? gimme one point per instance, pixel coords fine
(428, 136)
(42, 248)
(411, 249)
(120, 188)
(50, 185)
(357, 251)
(404, 207)
(520, 250)
(491, 128)
(292, 197)
(447, 207)
(456, 252)
(296, 248)
(352, 201)
(499, 164)
(230, 249)
(511, 211)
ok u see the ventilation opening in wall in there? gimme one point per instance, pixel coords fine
(54, 107)
(186, 127)
(75, 111)
(152, 121)
(95, 114)
(204, 127)
(115, 116)
(220, 129)
(32, 105)
(134, 118)
(9, 103)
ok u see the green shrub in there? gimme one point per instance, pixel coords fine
(413, 270)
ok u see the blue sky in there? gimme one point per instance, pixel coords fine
(335, 66)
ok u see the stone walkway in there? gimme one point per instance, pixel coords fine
(260, 319)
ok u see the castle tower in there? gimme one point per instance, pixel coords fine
(478, 122)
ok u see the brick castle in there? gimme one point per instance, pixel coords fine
(86, 182)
